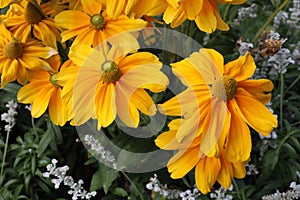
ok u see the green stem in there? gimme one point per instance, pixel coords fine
(226, 12)
(34, 128)
(5, 152)
(258, 34)
(242, 195)
(281, 100)
(132, 183)
(293, 83)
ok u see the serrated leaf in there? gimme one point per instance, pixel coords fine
(103, 178)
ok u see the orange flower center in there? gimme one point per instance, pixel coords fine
(97, 22)
(53, 80)
(32, 14)
(13, 49)
(111, 72)
(224, 88)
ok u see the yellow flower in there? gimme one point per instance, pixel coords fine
(44, 92)
(205, 13)
(93, 26)
(110, 83)
(16, 57)
(208, 169)
(33, 18)
(227, 101)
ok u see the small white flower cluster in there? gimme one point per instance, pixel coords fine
(220, 194)
(251, 169)
(167, 193)
(296, 54)
(279, 62)
(9, 117)
(294, 20)
(281, 17)
(244, 47)
(100, 150)
(76, 189)
(161, 189)
(190, 195)
(246, 12)
(293, 193)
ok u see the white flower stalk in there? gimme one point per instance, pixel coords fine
(221, 194)
(9, 117)
(99, 149)
(76, 189)
(246, 12)
(294, 20)
(251, 169)
(167, 193)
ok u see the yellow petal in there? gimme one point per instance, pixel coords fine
(114, 8)
(226, 172)
(261, 89)
(239, 170)
(9, 71)
(207, 172)
(142, 100)
(40, 104)
(192, 8)
(91, 7)
(141, 77)
(241, 68)
(126, 110)
(57, 108)
(183, 162)
(84, 94)
(139, 59)
(28, 93)
(215, 129)
(105, 104)
(239, 143)
(206, 20)
(85, 56)
(221, 25)
(217, 58)
(72, 19)
(254, 113)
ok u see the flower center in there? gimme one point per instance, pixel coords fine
(13, 49)
(53, 80)
(224, 88)
(97, 22)
(111, 72)
(32, 14)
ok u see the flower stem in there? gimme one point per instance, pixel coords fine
(4, 153)
(258, 34)
(281, 100)
(132, 183)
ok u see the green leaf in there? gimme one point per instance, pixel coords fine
(44, 142)
(33, 165)
(27, 183)
(120, 192)
(103, 178)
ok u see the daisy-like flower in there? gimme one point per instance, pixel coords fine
(33, 17)
(205, 13)
(16, 57)
(208, 169)
(44, 92)
(110, 83)
(92, 26)
(227, 101)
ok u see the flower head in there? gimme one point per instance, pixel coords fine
(44, 92)
(35, 18)
(92, 26)
(17, 57)
(110, 83)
